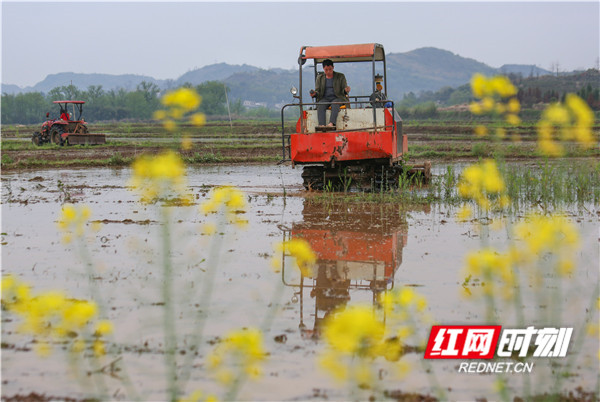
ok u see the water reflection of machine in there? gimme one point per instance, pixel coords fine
(358, 246)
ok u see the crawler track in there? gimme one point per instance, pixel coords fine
(363, 176)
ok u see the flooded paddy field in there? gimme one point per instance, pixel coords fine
(364, 249)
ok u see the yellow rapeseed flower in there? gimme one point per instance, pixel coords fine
(496, 96)
(513, 105)
(331, 362)
(184, 98)
(512, 119)
(103, 327)
(159, 115)
(571, 121)
(99, 348)
(548, 234)
(160, 176)
(180, 103)
(186, 143)
(479, 84)
(464, 213)
(169, 124)
(241, 348)
(198, 396)
(198, 119)
(300, 250)
(73, 220)
(228, 199)
(481, 131)
(483, 183)
(353, 331)
(52, 317)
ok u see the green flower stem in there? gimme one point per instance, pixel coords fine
(205, 297)
(169, 309)
(265, 328)
(97, 297)
(580, 333)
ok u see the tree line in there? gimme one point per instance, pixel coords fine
(114, 104)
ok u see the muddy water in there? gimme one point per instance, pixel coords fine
(363, 250)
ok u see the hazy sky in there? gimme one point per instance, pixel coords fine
(165, 40)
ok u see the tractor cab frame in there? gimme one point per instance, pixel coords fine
(365, 149)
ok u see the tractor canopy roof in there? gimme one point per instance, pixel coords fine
(70, 101)
(344, 53)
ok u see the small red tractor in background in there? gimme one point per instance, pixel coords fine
(67, 130)
(366, 147)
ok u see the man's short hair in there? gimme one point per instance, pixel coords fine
(327, 62)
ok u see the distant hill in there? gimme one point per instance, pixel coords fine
(524, 70)
(83, 81)
(214, 72)
(431, 69)
(424, 69)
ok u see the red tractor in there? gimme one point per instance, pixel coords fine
(66, 129)
(365, 147)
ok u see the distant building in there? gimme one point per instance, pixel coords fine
(254, 105)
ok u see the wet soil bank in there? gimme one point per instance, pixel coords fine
(253, 142)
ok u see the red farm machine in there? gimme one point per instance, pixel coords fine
(69, 128)
(365, 148)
